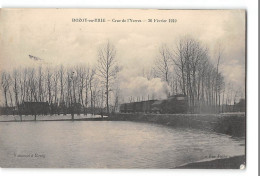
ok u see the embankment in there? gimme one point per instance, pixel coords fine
(232, 124)
(226, 163)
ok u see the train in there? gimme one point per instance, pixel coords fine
(175, 104)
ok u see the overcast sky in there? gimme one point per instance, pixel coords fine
(52, 36)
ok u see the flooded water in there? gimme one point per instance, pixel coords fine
(106, 144)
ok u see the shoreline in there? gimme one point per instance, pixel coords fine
(54, 120)
(229, 124)
(224, 163)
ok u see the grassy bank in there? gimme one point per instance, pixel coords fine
(226, 163)
(233, 124)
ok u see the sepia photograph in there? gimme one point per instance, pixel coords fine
(123, 88)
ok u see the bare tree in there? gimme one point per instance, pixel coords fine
(49, 84)
(62, 83)
(81, 73)
(16, 86)
(107, 68)
(23, 85)
(116, 97)
(5, 82)
(198, 78)
(162, 64)
(40, 84)
(68, 93)
(180, 62)
(218, 79)
(95, 94)
(187, 58)
(55, 79)
(92, 94)
(32, 85)
(71, 99)
(87, 77)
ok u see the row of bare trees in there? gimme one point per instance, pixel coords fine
(86, 85)
(52, 84)
(188, 69)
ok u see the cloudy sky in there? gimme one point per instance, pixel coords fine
(52, 36)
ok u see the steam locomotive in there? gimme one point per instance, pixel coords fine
(175, 104)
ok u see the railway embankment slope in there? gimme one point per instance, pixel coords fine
(233, 124)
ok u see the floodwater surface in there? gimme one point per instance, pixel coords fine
(109, 144)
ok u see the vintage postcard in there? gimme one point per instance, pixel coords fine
(122, 88)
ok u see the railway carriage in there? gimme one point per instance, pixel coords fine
(172, 105)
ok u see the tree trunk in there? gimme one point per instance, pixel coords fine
(6, 104)
(107, 96)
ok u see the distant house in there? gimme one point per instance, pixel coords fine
(34, 108)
